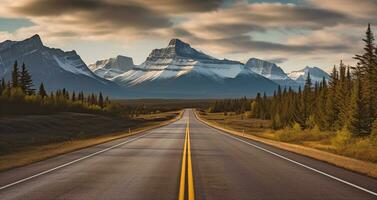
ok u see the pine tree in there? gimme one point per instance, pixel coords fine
(2, 86)
(307, 101)
(367, 69)
(100, 100)
(342, 97)
(332, 113)
(73, 97)
(26, 82)
(15, 75)
(42, 92)
(359, 121)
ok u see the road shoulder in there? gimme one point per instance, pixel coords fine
(355, 165)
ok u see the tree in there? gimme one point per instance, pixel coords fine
(332, 113)
(307, 101)
(367, 69)
(2, 86)
(100, 100)
(42, 92)
(342, 97)
(26, 83)
(359, 121)
(73, 97)
(15, 75)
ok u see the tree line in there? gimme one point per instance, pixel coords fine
(347, 101)
(19, 96)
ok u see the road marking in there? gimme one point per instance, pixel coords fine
(302, 165)
(190, 179)
(183, 171)
(71, 162)
(191, 191)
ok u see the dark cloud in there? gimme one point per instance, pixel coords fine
(184, 6)
(277, 60)
(112, 14)
(245, 44)
(220, 29)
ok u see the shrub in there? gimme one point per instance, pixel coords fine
(342, 139)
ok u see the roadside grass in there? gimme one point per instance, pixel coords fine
(357, 155)
(340, 142)
(27, 139)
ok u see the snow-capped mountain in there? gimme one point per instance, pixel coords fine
(112, 67)
(316, 75)
(181, 71)
(271, 71)
(56, 68)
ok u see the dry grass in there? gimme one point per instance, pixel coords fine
(311, 143)
(34, 152)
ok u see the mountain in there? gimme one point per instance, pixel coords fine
(271, 71)
(180, 71)
(112, 67)
(316, 74)
(55, 68)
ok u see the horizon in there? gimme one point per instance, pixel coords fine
(291, 33)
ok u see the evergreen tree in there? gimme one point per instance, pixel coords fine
(100, 100)
(367, 69)
(26, 82)
(331, 108)
(342, 97)
(359, 122)
(15, 75)
(42, 92)
(73, 97)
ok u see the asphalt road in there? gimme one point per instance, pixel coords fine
(149, 166)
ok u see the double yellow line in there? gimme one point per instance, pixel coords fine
(190, 180)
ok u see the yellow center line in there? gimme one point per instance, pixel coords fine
(190, 179)
(191, 192)
(183, 171)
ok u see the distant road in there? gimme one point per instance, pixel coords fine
(186, 159)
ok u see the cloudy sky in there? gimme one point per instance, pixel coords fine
(292, 33)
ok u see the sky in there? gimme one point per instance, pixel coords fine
(292, 33)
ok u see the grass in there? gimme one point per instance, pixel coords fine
(27, 139)
(357, 154)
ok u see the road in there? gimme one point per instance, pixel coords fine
(184, 159)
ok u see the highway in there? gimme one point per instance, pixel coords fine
(184, 160)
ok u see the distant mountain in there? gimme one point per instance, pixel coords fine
(180, 71)
(112, 67)
(316, 74)
(56, 68)
(271, 71)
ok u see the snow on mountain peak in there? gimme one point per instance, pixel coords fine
(316, 74)
(266, 69)
(178, 59)
(112, 67)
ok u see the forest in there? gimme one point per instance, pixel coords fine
(346, 104)
(19, 96)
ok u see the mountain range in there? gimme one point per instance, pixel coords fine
(55, 68)
(176, 71)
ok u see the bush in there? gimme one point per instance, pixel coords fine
(248, 114)
(342, 139)
(296, 134)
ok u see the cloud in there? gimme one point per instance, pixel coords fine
(182, 6)
(100, 13)
(313, 30)
(277, 60)
(230, 30)
(361, 9)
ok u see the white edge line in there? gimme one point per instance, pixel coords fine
(295, 162)
(72, 162)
